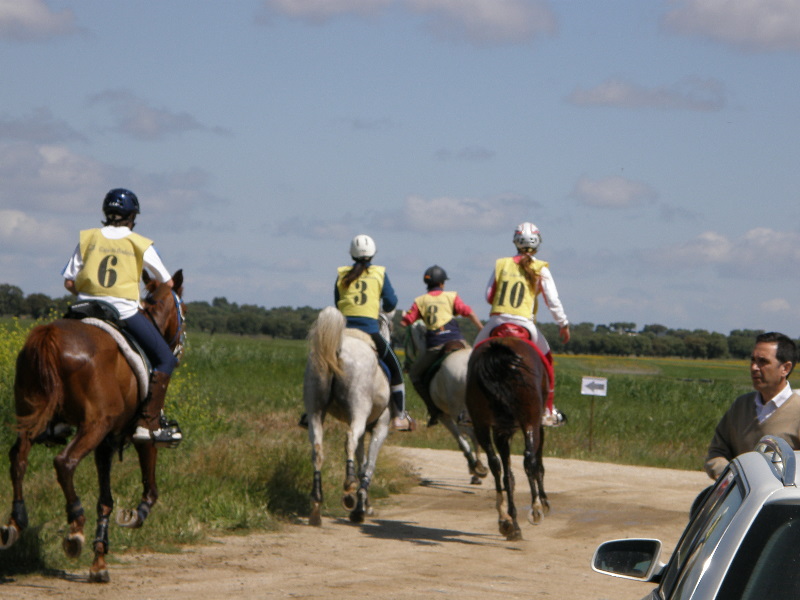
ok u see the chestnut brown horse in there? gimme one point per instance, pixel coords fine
(70, 372)
(507, 383)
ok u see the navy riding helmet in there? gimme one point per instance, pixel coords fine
(434, 276)
(120, 203)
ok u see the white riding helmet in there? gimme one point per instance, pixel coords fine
(362, 247)
(527, 236)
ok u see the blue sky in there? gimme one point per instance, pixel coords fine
(655, 144)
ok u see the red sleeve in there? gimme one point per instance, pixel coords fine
(411, 316)
(460, 308)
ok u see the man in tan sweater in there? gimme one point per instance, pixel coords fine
(772, 409)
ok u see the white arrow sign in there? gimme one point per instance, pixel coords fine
(594, 386)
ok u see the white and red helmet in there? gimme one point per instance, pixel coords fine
(362, 247)
(527, 236)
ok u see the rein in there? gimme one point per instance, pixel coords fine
(179, 339)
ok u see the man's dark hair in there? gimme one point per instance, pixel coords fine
(786, 351)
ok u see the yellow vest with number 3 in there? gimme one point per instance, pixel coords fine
(111, 267)
(512, 293)
(363, 297)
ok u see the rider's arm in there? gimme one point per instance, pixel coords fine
(388, 297)
(152, 260)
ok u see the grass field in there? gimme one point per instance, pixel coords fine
(244, 464)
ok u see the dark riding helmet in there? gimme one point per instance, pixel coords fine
(120, 204)
(434, 276)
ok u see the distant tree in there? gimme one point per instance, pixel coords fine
(655, 329)
(11, 300)
(39, 305)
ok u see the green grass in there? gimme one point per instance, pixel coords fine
(245, 465)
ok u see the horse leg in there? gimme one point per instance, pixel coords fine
(65, 464)
(133, 519)
(18, 521)
(506, 509)
(315, 435)
(534, 469)
(476, 468)
(354, 437)
(378, 435)
(103, 455)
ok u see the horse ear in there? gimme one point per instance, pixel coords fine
(145, 276)
(177, 280)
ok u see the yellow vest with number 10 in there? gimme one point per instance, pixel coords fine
(512, 293)
(111, 267)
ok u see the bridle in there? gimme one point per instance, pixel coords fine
(179, 339)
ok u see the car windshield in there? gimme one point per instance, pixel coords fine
(767, 565)
(695, 549)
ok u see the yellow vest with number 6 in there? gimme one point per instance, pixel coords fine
(512, 293)
(363, 297)
(111, 267)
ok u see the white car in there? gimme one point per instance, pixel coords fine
(742, 541)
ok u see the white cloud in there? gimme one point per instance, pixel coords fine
(753, 24)
(39, 127)
(26, 20)
(690, 93)
(760, 253)
(445, 214)
(612, 192)
(487, 21)
(478, 21)
(19, 231)
(776, 305)
(135, 117)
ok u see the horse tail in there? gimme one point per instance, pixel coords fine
(37, 382)
(500, 370)
(325, 338)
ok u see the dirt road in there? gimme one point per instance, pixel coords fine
(438, 541)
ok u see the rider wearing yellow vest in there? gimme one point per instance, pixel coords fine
(107, 265)
(362, 291)
(513, 291)
(438, 309)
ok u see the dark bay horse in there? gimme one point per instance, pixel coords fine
(507, 383)
(72, 372)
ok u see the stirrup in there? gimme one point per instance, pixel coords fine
(169, 435)
(554, 419)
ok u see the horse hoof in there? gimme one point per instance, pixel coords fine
(73, 545)
(506, 528)
(514, 536)
(315, 518)
(480, 470)
(8, 536)
(535, 516)
(99, 576)
(357, 516)
(349, 501)
(128, 518)
(475, 480)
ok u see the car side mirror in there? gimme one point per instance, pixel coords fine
(631, 559)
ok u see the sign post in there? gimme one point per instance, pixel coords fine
(593, 386)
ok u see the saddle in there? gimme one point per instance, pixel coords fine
(105, 316)
(511, 330)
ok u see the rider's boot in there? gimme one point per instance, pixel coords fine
(152, 425)
(552, 417)
(401, 420)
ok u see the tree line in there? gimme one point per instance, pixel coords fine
(285, 322)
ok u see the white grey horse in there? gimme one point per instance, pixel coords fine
(448, 392)
(344, 379)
